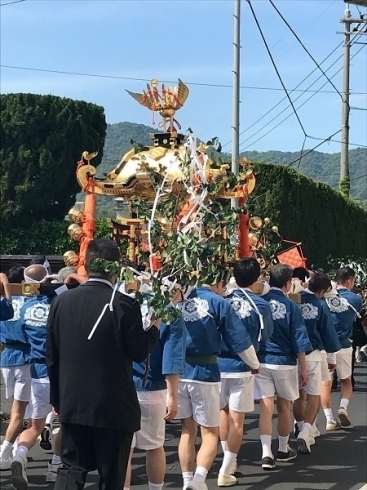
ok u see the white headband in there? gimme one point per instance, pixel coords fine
(29, 279)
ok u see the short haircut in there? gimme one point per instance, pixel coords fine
(38, 259)
(280, 274)
(301, 273)
(319, 282)
(101, 248)
(16, 274)
(246, 271)
(343, 274)
(65, 272)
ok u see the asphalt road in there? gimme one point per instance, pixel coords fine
(338, 460)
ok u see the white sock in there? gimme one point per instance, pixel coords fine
(300, 424)
(266, 445)
(200, 474)
(329, 414)
(6, 448)
(22, 451)
(126, 488)
(228, 460)
(155, 486)
(308, 427)
(187, 476)
(56, 459)
(283, 444)
(344, 402)
(224, 445)
(50, 418)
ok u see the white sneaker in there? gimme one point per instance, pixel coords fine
(196, 485)
(364, 350)
(315, 432)
(52, 471)
(19, 473)
(304, 442)
(226, 480)
(233, 468)
(5, 462)
(344, 417)
(332, 425)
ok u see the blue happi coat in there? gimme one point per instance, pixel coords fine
(166, 358)
(320, 327)
(289, 336)
(343, 308)
(35, 313)
(209, 319)
(6, 309)
(17, 349)
(243, 302)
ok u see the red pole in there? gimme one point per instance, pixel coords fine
(244, 249)
(88, 227)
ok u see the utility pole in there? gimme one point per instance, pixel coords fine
(344, 157)
(348, 21)
(236, 92)
(344, 160)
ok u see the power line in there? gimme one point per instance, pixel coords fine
(275, 66)
(287, 117)
(115, 77)
(314, 148)
(303, 46)
(303, 92)
(11, 3)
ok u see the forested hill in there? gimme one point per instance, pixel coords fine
(319, 166)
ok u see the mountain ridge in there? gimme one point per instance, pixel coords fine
(322, 167)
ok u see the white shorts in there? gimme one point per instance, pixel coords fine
(314, 368)
(284, 382)
(17, 380)
(39, 404)
(344, 363)
(201, 401)
(153, 426)
(326, 375)
(238, 394)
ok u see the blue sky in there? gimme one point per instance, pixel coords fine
(191, 40)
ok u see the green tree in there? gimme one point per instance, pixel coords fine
(42, 138)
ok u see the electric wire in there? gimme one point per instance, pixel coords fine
(275, 66)
(287, 117)
(304, 47)
(281, 57)
(11, 3)
(200, 84)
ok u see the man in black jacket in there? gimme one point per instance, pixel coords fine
(94, 334)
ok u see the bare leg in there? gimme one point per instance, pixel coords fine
(186, 447)
(346, 388)
(234, 440)
(266, 414)
(326, 394)
(208, 448)
(299, 407)
(16, 420)
(312, 408)
(28, 437)
(156, 465)
(224, 424)
(127, 483)
(284, 417)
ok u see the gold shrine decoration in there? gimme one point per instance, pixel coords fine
(165, 101)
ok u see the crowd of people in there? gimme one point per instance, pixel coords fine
(114, 374)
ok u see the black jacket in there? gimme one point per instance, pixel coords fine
(91, 380)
